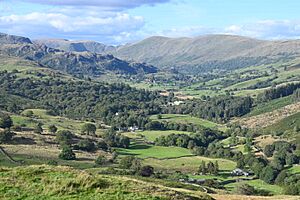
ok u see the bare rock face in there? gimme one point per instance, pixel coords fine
(11, 39)
(85, 63)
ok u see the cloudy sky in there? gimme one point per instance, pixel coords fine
(122, 21)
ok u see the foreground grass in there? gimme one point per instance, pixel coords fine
(46, 182)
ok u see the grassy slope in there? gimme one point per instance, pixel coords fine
(45, 182)
(40, 115)
(152, 135)
(149, 151)
(185, 119)
(270, 106)
(286, 124)
(188, 164)
(259, 184)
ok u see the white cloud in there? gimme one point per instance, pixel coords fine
(100, 28)
(267, 29)
(112, 4)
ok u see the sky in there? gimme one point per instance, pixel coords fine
(124, 21)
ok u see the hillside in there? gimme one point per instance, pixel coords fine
(78, 46)
(208, 52)
(47, 182)
(199, 54)
(75, 63)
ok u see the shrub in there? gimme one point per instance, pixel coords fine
(67, 154)
(147, 171)
(28, 113)
(5, 121)
(245, 189)
(6, 136)
(102, 145)
(101, 160)
(64, 137)
(88, 129)
(52, 162)
(86, 145)
(52, 128)
(128, 162)
(38, 129)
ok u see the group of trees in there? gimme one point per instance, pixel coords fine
(210, 168)
(134, 164)
(218, 109)
(169, 125)
(278, 92)
(115, 104)
(114, 139)
(202, 138)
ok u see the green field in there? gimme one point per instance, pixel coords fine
(152, 135)
(260, 185)
(149, 151)
(188, 164)
(185, 119)
(41, 115)
(295, 169)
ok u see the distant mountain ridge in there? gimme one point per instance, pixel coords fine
(75, 63)
(204, 53)
(78, 45)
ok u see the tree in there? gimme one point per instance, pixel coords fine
(52, 128)
(211, 168)
(269, 150)
(88, 128)
(245, 189)
(278, 163)
(147, 171)
(268, 174)
(38, 129)
(280, 178)
(202, 168)
(5, 121)
(64, 137)
(6, 136)
(86, 145)
(291, 159)
(102, 145)
(216, 168)
(129, 162)
(28, 113)
(67, 153)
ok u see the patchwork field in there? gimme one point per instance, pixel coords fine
(188, 164)
(149, 151)
(185, 119)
